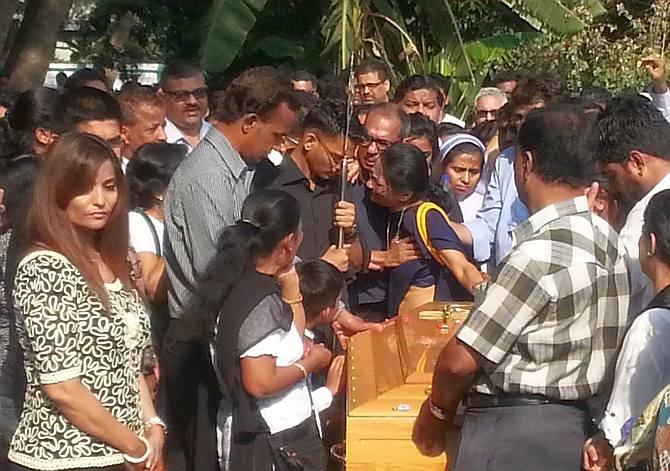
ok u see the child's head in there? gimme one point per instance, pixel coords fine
(462, 162)
(320, 285)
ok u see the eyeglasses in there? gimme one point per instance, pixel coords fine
(184, 95)
(361, 87)
(335, 158)
(487, 113)
(381, 144)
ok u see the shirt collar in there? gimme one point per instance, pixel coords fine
(290, 173)
(549, 214)
(663, 184)
(230, 157)
(173, 134)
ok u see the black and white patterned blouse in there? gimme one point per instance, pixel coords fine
(67, 333)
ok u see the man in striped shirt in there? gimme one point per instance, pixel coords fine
(206, 194)
(533, 353)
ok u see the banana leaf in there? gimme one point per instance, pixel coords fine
(229, 24)
(554, 15)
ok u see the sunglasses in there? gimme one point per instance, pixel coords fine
(184, 95)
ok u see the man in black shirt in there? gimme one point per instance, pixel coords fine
(311, 174)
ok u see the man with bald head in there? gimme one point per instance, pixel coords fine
(386, 124)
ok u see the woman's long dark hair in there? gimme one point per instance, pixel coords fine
(406, 170)
(267, 217)
(69, 170)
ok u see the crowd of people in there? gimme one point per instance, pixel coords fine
(180, 275)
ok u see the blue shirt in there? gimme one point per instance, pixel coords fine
(425, 271)
(501, 212)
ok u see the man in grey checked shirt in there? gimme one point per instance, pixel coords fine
(539, 340)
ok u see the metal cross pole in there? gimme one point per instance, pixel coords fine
(345, 163)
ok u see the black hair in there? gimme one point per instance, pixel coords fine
(631, 122)
(267, 217)
(393, 109)
(332, 88)
(419, 82)
(330, 118)
(7, 98)
(320, 285)
(599, 94)
(304, 76)
(17, 177)
(442, 81)
(657, 222)
(307, 101)
(485, 131)
(180, 69)
(83, 104)
(33, 110)
(559, 138)
(506, 76)
(444, 130)
(83, 76)
(149, 171)
(372, 66)
(422, 127)
(259, 90)
(586, 104)
(406, 170)
(546, 88)
(464, 148)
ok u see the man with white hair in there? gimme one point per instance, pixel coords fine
(487, 103)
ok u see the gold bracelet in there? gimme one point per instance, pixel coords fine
(292, 301)
(301, 368)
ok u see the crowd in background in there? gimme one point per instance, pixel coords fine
(179, 274)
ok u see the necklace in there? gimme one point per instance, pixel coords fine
(397, 230)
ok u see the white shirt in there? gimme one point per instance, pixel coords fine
(641, 287)
(448, 118)
(285, 410)
(322, 397)
(662, 102)
(470, 205)
(141, 237)
(642, 370)
(291, 407)
(124, 164)
(275, 157)
(173, 134)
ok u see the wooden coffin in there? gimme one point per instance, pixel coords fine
(389, 377)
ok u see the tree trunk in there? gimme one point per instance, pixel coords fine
(35, 43)
(9, 7)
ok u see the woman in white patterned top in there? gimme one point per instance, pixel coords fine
(80, 322)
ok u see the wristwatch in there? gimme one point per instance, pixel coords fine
(155, 421)
(437, 411)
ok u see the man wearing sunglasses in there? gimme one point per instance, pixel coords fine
(185, 91)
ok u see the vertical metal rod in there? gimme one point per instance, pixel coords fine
(345, 163)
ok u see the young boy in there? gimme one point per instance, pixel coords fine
(320, 286)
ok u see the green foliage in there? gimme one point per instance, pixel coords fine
(164, 29)
(604, 55)
(229, 24)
